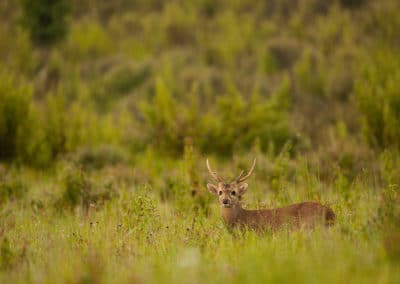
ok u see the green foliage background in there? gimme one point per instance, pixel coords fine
(108, 110)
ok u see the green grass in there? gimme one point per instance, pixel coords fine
(137, 237)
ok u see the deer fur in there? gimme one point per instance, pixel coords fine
(295, 216)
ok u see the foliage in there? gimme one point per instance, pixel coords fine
(379, 100)
(99, 157)
(232, 122)
(81, 191)
(45, 20)
(15, 117)
(11, 188)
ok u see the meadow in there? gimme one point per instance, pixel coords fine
(109, 109)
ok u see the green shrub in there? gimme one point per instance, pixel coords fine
(11, 188)
(340, 81)
(55, 125)
(59, 129)
(180, 25)
(7, 254)
(234, 123)
(168, 121)
(119, 82)
(45, 19)
(237, 123)
(142, 216)
(87, 40)
(378, 98)
(124, 79)
(15, 118)
(99, 157)
(281, 53)
(81, 191)
(353, 4)
(195, 194)
(308, 74)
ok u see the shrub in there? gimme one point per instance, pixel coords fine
(308, 74)
(11, 254)
(234, 123)
(81, 191)
(238, 123)
(383, 23)
(339, 83)
(45, 19)
(55, 125)
(378, 99)
(7, 254)
(15, 117)
(281, 53)
(168, 121)
(87, 40)
(11, 188)
(180, 25)
(353, 4)
(127, 77)
(99, 157)
(120, 81)
(142, 216)
(200, 198)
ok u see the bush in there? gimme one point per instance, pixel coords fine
(11, 188)
(81, 191)
(378, 99)
(168, 121)
(119, 81)
(45, 19)
(87, 40)
(99, 157)
(309, 75)
(353, 4)
(59, 129)
(142, 217)
(15, 118)
(7, 254)
(238, 123)
(180, 25)
(281, 53)
(234, 123)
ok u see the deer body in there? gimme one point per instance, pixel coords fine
(295, 216)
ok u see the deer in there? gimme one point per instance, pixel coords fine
(304, 215)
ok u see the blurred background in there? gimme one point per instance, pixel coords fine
(118, 78)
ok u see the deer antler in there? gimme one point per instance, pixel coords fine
(242, 178)
(240, 175)
(213, 174)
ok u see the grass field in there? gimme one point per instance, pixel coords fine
(109, 110)
(135, 236)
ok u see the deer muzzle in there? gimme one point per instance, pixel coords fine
(226, 203)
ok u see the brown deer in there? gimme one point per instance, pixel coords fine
(295, 216)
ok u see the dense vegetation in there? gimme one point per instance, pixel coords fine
(108, 110)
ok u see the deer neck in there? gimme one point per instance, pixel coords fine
(232, 214)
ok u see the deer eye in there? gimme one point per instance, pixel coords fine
(233, 192)
(220, 192)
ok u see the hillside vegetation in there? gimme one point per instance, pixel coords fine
(109, 109)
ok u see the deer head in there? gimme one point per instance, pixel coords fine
(229, 193)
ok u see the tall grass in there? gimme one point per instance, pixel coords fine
(136, 236)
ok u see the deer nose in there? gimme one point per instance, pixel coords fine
(225, 201)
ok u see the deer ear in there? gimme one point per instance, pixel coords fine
(243, 188)
(212, 188)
